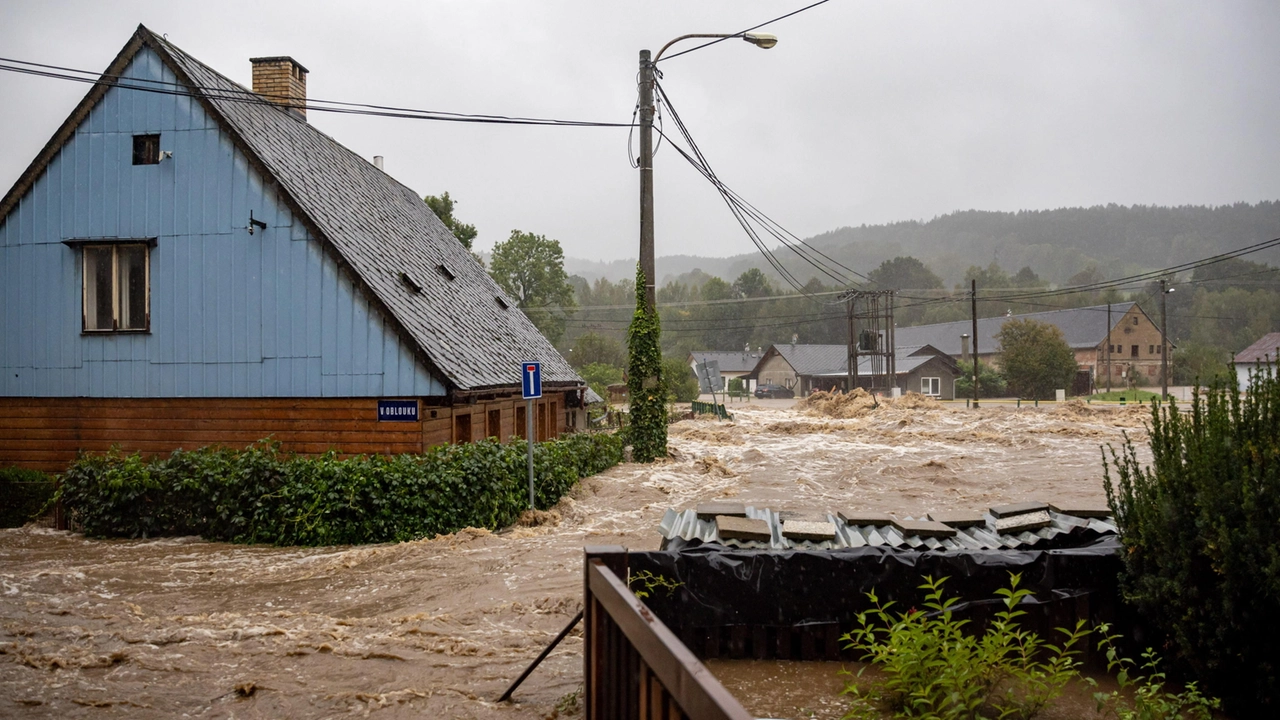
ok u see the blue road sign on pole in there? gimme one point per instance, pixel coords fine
(531, 380)
(531, 389)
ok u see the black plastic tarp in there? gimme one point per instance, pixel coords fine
(721, 586)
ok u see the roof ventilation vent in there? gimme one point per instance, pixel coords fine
(501, 302)
(445, 271)
(409, 281)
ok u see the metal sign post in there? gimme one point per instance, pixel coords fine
(530, 389)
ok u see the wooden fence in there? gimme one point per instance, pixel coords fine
(634, 667)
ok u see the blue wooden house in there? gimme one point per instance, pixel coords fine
(189, 262)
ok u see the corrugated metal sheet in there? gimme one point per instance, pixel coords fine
(232, 314)
(1063, 530)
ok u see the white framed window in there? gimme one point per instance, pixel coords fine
(930, 386)
(116, 286)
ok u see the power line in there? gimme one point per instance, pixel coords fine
(744, 32)
(248, 97)
(705, 169)
(1129, 282)
(949, 296)
(1149, 275)
(686, 303)
(688, 330)
(745, 213)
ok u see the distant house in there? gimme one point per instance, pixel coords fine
(733, 363)
(186, 263)
(1266, 351)
(1133, 338)
(806, 368)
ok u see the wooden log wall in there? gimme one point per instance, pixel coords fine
(48, 433)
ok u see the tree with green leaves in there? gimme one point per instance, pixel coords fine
(442, 206)
(600, 376)
(682, 384)
(593, 348)
(530, 268)
(990, 382)
(905, 273)
(992, 276)
(753, 284)
(1035, 358)
(1027, 278)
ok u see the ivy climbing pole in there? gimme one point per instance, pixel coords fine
(645, 386)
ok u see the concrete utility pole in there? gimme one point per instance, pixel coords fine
(1164, 343)
(1108, 347)
(646, 179)
(973, 296)
(851, 355)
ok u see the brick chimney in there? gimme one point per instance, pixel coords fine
(281, 80)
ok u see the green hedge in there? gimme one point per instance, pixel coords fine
(261, 495)
(23, 495)
(1201, 527)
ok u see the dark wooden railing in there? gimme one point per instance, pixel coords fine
(634, 667)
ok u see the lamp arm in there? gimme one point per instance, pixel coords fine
(658, 57)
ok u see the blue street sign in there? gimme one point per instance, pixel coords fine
(531, 380)
(398, 411)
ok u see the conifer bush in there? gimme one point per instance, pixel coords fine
(262, 495)
(1201, 529)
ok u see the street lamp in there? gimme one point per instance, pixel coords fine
(760, 40)
(644, 368)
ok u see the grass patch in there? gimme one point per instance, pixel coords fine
(1130, 396)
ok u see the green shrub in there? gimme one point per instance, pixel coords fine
(600, 376)
(1201, 529)
(933, 668)
(262, 495)
(682, 384)
(1142, 694)
(990, 382)
(25, 494)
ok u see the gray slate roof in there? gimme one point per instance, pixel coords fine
(1081, 327)
(1267, 346)
(729, 360)
(833, 360)
(380, 228)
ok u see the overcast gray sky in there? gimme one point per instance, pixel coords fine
(865, 112)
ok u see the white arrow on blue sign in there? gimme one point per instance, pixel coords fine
(531, 380)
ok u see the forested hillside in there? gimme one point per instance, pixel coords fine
(728, 303)
(1055, 244)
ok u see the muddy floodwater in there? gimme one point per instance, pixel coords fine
(179, 627)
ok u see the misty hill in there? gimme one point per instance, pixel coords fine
(1056, 244)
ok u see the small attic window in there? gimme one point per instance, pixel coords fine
(146, 149)
(445, 271)
(410, 282)
(501, 303)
